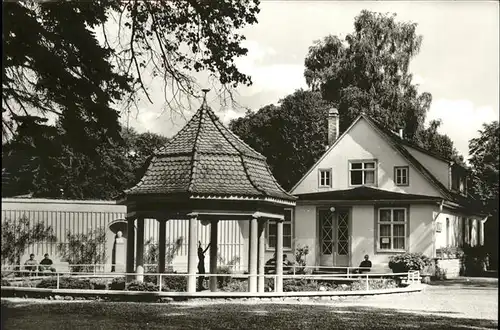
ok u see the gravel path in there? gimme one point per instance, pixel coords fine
(462, 298)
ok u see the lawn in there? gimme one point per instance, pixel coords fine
(21, 315)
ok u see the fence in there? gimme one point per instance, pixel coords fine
(24, 276)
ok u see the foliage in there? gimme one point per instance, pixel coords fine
(474, 260)
(301, 253)
(73, 283)
(152, 254)
(65, 283)
(174, 283)
(405, 262)
(54, 64)
(484, 159)
(369, 71)
(17, 236)
(440, 273)
(142, 286)
(5, 282)
(118, 283)
(451, 252)
(47, 164)
(235, 285)
(87, 249)
(291, 135)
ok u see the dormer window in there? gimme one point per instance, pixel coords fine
(362, 173)
(325, 178)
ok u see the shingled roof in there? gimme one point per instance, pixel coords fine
(205, 159)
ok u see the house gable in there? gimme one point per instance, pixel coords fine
(361, 141)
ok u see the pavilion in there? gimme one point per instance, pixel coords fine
(206, 173)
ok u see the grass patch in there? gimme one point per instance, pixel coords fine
(112, 315)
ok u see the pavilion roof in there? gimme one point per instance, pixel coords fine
(206, 159)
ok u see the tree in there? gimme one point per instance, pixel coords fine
(291, 135)
(54, 65)
(369, 71)
(17, 236)
(484, 160)
(84, 249)
(50, 167)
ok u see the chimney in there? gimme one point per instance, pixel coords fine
(333, 125)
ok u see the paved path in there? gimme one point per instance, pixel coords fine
(461, 298)
(471, 298)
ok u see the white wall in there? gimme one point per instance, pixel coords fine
(306, 231)
(363, 142)
(439, 168)
(364, 233)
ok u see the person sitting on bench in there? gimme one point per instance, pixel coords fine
(366, 264)
(30, 265)
(46, 264)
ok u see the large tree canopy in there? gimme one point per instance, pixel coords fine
(53, 62)
(369, 71)
(484, 159)
(291, 135)
(49, 167)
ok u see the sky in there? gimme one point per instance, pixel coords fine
(458, 62)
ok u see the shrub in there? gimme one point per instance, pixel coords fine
(223, 280)
(98, 284)
(5, 282)
(474, 260)
(65, 283)
(174, 283)
(440, 273)
(118, 283)
(300, 258)
(142, 286)
(408, 261)
(451, 252)
(235, 286)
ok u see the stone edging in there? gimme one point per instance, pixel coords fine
(70, 294)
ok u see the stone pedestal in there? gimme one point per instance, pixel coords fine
(120, 255)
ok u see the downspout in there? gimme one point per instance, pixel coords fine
(434, 228)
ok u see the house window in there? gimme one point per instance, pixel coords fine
(401, 175)
(287, 232)
(362, 173)
(392, 223)
(325, 178)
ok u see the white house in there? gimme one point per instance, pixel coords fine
(372, 192)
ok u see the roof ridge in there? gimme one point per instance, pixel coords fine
(170, 141)
(240, 154)
(195, 151)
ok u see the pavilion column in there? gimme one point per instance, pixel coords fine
(261, 255)
(192, 253)
(130, 248)
(279, 256)
(162, 245)
(252, 260)
(213, 255)
(139, 259)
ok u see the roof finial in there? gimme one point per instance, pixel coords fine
(205, 91)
